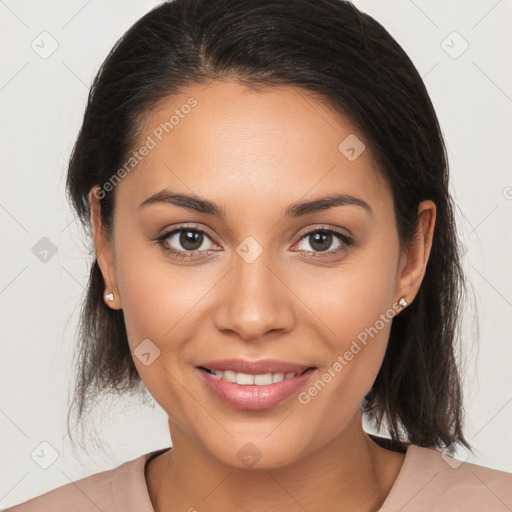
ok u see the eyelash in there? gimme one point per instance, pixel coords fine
(190, 255)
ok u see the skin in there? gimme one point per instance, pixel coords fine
(255, 153)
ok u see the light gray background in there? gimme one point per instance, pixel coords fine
(42, 102)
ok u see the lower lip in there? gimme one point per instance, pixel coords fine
(252, 397)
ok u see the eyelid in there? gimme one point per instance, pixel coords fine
(326, 227)
(336, 231)
(167, 231)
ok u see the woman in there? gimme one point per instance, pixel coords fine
(276, 254)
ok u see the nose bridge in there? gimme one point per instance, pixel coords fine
(254, 299)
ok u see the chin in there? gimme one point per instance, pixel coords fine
(256, 452)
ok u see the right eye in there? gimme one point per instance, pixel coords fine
(185, 242)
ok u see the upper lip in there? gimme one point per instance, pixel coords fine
(252, 367)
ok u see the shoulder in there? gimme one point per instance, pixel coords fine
(106, 490)
(87, 494)
(434, 481)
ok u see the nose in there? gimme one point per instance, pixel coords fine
(255, 299)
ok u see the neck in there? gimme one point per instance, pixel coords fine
(350, 472)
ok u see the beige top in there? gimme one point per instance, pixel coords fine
(428, 481)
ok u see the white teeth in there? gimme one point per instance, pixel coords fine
(263, 380)
(246, 379)
(229, 376)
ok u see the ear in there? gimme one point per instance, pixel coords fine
(414, 259)
(104, 249)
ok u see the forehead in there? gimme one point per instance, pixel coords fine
(222, 137)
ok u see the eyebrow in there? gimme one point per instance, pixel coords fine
(201, 205)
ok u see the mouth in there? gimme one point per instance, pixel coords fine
(254, 385)
(254, 379)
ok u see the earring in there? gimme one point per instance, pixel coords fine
(403, 303)
(109, 297)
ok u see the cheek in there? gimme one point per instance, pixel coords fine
(157, 306)
(155, 295)
(144, 304)
(357, 293)
(356, 306)
(161, 303)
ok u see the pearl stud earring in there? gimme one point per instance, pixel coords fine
(109, 297)
(403, 303)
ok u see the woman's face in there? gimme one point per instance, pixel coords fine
(262, 281)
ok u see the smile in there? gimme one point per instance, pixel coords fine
(253, 391)
(247, 379)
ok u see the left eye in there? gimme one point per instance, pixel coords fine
(321, 240)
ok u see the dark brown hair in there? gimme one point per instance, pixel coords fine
(348, 60)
